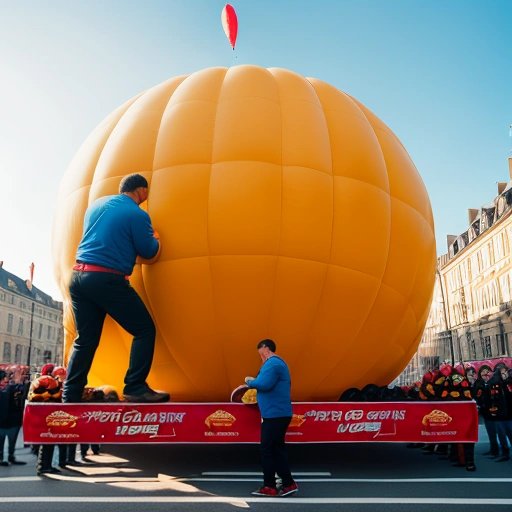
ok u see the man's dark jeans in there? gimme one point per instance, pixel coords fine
(11, 433)
(93, 296)
(274, 458)
(492, 432)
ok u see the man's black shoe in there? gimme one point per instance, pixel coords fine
(149, 396)
(17, 462)
(49, 471)
(3, 463)
(76, 462)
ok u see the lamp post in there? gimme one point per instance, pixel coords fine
(30, 338)
(448, 329)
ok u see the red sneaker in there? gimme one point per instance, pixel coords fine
(289, 490)
(265, 491)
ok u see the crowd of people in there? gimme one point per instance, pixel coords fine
(488, 382)
(15, 389)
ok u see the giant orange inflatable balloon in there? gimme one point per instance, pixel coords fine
(286, 209)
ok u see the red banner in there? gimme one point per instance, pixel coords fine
(326, 422)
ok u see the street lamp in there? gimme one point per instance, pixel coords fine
(448, 329)
(30, 338)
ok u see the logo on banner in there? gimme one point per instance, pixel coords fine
(436, 418)
(297, 420)
(220, 418)
(61, 419)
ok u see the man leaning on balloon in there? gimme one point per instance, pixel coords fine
(116, 232)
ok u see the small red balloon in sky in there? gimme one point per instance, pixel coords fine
(230, 24)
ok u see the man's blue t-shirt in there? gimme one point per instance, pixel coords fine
(116, 231)
(273, 384)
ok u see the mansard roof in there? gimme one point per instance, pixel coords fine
(13, 283)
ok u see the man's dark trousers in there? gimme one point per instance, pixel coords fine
(93, 296)
(274, 458)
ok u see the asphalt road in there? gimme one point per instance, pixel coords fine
(338, 477)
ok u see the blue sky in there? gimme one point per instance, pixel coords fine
(438, 72)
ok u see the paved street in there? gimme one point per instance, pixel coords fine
(343, 477)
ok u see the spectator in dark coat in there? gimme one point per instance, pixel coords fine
(482, 394)
(500, 409)
(12, 401)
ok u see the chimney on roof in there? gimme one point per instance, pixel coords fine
(501, 186)
(472, 213)
(450, 239)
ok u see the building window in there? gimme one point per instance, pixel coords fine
(486, 346)
(10, 320)
(474, 264)
(20, 327)
(472, 346)
(501, 341)
(504, 283)
(18, 354)
(40, 333)
(468, 265)
(49, 332)
(506, 246)
(498, 247)
(7, 352)
(485, 259)
(47, 356)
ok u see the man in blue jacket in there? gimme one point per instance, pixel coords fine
(116, 233)
(273, 385)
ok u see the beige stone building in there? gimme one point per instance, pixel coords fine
(30, 323)
(470, 316)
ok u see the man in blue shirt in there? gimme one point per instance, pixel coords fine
(273, 385)
(116, 232)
